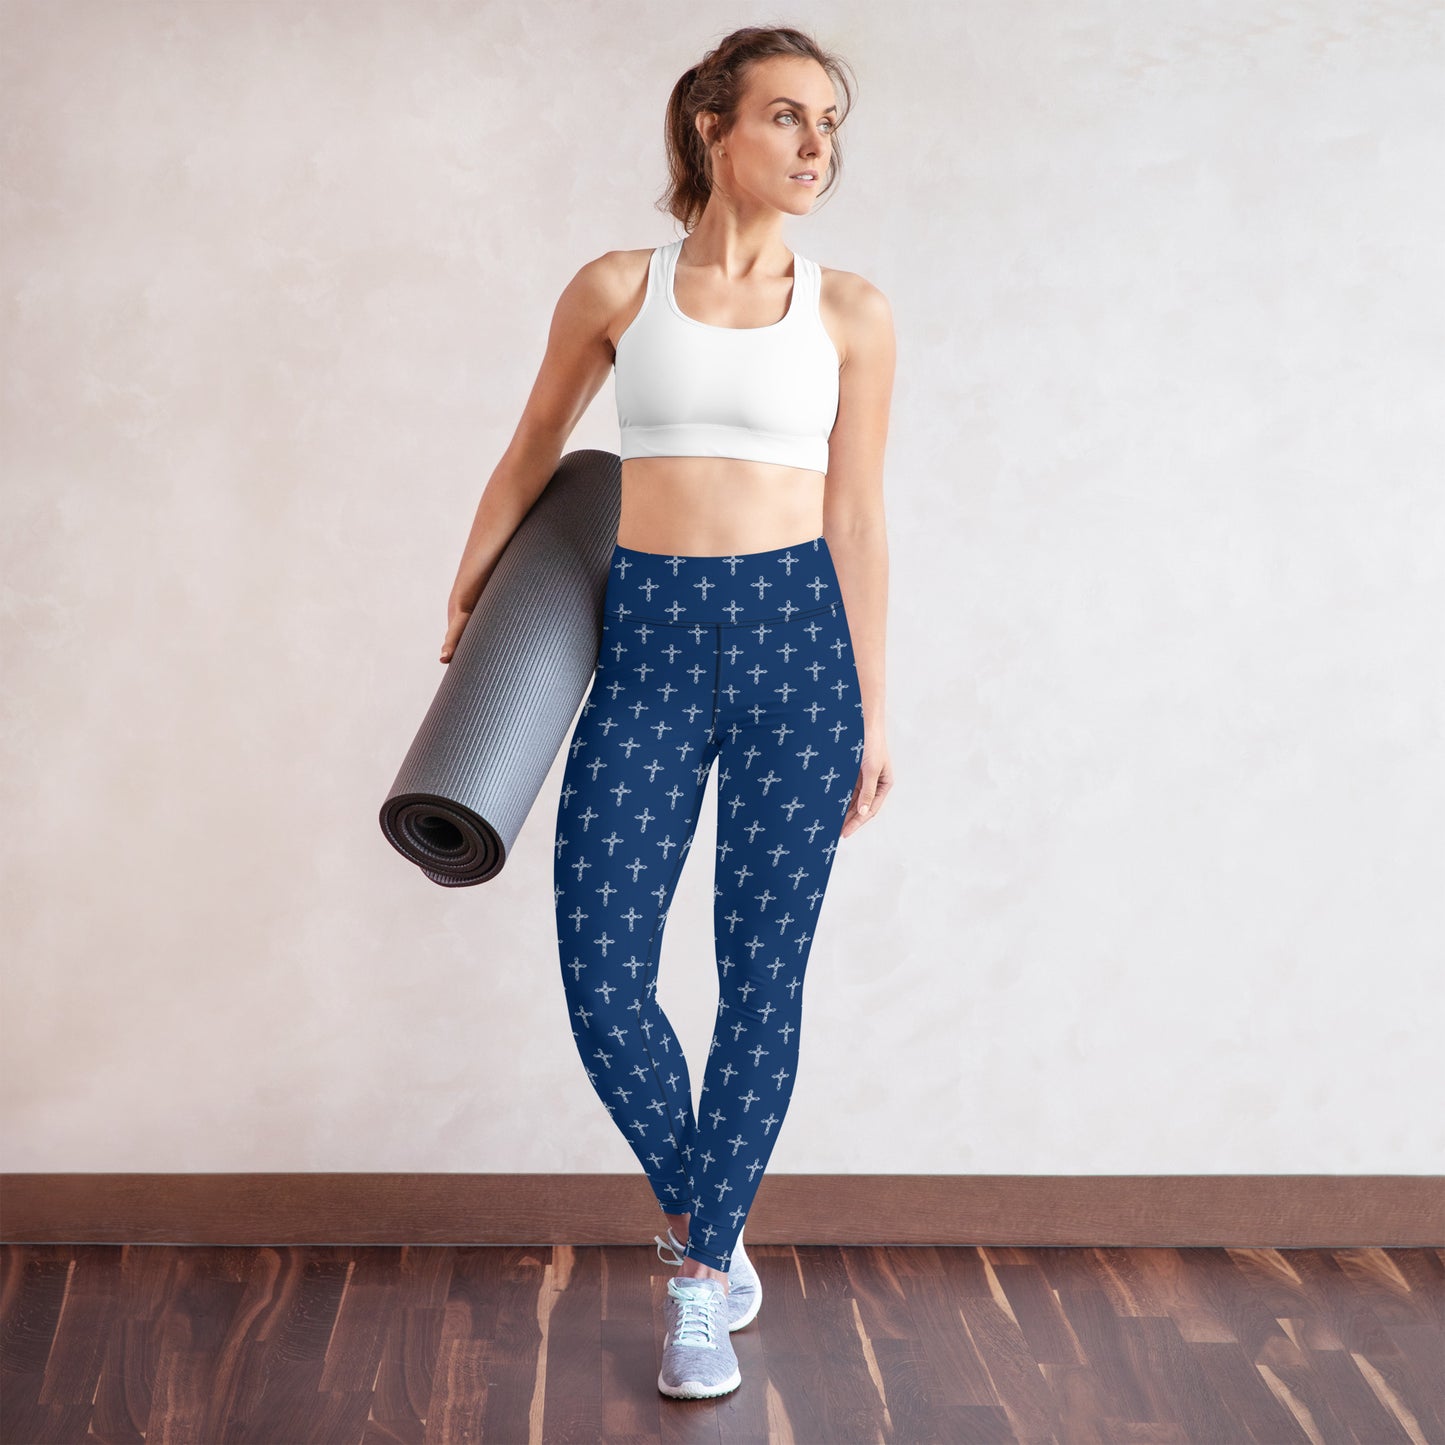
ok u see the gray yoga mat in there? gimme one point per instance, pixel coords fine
(512, 688)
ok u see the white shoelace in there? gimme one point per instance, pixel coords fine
(695, 1322)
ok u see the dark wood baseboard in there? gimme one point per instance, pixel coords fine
(1284, 1211)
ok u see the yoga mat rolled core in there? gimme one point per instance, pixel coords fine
(514, 684)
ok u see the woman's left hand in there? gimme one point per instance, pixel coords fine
(875, 778)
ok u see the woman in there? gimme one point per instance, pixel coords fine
(743, 621)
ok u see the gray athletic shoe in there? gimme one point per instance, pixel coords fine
(698, 1359)
(745, 1288)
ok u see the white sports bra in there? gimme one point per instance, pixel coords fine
(760, 393)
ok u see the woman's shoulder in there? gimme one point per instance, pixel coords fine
(607, 281)
(615, 274)
(852, 292)
(855, 311)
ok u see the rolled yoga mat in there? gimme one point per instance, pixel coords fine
(514, 683)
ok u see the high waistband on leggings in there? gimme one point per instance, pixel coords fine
(778, 585)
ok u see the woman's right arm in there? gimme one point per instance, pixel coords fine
(578, 357)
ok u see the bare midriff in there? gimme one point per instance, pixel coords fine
(715, 506)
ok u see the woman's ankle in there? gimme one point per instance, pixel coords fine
(696, 1269)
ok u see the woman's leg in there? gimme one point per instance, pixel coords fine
(637, 766)
(791, 724)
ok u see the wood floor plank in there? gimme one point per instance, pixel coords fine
(627, 1373)
(1090, 1411)
(1015, 1380)
(1176, 1387)
(878, 1294)
(1291, 1375)
(88, 1310)
(976, 1425)
(959, 1376)
(37, 1279)
(282, 1391)
(1422, 1348)
(1041, 1319)
(460, 1393)
(1231, 1376)
(572, 1331)
(510, 1278)
(1215, 1277)
(404, 1374)
(1395, 1284)
(1355, 1404)
(851, 1406)
(1182, 1295)
(1117, 1391)
(824, 1268)
(1273, 1278)
(1401, 1395)
(907, 1375)
(743, 1416)
(122, 1393)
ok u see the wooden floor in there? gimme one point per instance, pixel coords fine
(282, 1346)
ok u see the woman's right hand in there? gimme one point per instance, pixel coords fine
(458, 611)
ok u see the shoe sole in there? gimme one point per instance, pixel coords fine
(691, 1390)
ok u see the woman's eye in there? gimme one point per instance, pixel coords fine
(791, 116)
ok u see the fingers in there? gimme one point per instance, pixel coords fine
(454, 632)
(868, 795)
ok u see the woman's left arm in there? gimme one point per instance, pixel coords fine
(853, 522)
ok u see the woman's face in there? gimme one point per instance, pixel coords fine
(784, 125)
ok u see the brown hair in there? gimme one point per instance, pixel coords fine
(716, 84)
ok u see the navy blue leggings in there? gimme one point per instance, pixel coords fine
(747, 659)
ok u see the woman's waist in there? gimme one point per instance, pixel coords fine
(788, 582)
(704, 506)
